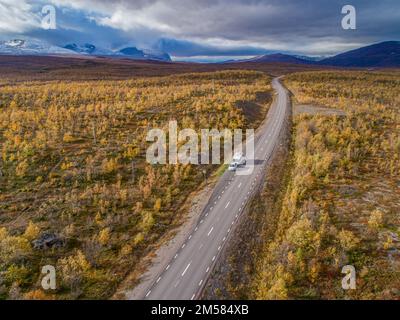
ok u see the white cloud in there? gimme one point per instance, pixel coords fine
(17, 16)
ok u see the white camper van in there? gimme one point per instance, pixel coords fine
(238, 160)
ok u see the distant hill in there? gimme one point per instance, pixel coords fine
(88, 49)
(279, 57)
(135, 53)
(384, 54)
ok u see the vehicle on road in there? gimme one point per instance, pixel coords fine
(232, 167)
(238, 160)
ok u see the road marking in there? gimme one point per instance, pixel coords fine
(213, 258)
(190, 237)
(219, 248)
(208, 268)
(177, 283)
(187, 267)
(239, 185)
(201, 281)
(222, 191)
(219, 197)
(227, 204)
(211, 208)
(207, 214)
(201, 221)
(183, 245)
(210, 231)
(201, 246)
(176, 256)
(158, 280)
(148, 293)
(196, 229)
(229, 230)
(167, 267)
(193, 296)
(223, 239)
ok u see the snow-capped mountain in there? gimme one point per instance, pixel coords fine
(89, 49)
(31, 47)
(37, 47)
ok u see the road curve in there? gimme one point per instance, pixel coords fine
(185, 275)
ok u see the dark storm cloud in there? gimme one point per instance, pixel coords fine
(303, 26)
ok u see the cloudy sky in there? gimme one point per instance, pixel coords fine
(189, 28)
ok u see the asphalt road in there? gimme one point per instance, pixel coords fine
(185, 275)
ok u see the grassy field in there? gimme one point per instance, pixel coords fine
(73, 166)
(341, 203)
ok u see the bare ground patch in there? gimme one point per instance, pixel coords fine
(314, 110)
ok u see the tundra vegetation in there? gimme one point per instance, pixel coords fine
(341, 203)
(73, 172)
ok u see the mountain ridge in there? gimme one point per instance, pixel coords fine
(22, 47)
(382, 54)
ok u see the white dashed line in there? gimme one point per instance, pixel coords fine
(193, 296)
(187, 267)
(158, 280)
(227, 204)
(167, 267)
(208, 268)
(176, 256)
(148, 293)
(213, 258)
(239, 185)
(209, 232)
(201, 281)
